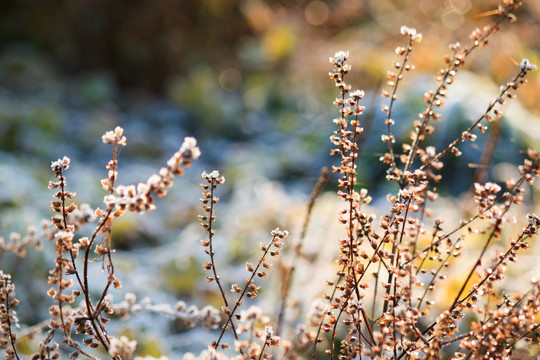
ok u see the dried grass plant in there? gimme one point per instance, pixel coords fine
(391, 270)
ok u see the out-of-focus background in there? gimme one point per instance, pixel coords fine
(249, 80)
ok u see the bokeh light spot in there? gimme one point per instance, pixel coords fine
(451, 19)
(461, 6)
(230, 80)
(316, 13)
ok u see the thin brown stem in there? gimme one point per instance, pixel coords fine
(485, 115)
(321, 182)
(389, 121)
(211, 217)
(10, 333)
(249, 281)
(446, 78)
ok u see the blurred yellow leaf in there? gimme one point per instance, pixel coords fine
(278, 42)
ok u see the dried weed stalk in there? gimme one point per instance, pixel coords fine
(401, 322)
